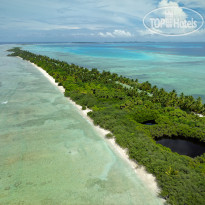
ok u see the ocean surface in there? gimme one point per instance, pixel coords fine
(50, 154)
(179, 66)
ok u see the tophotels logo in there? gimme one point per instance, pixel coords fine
(173, 21)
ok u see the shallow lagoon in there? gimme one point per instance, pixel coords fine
(49, 154)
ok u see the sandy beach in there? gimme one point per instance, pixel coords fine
(147, 178)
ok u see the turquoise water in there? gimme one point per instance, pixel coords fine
(50, 154)
(179, 66)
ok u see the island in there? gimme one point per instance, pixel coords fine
(137, 116)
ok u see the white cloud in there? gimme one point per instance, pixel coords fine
(116, 33)
(167, 3)
(122, 33)
(56, 27)
(107, 34)
(35, 25)
(176, 9)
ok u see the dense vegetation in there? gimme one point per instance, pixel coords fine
(122, 105)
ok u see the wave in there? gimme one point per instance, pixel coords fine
(5, 102)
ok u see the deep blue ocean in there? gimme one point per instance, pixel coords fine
(179, 66)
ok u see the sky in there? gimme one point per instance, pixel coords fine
(87, 20)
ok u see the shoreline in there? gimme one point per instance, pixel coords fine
(199, 115)
(148, 179)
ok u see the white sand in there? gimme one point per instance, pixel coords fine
(147, 178)
(200, 115)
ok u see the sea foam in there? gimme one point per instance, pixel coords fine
(5, 102)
